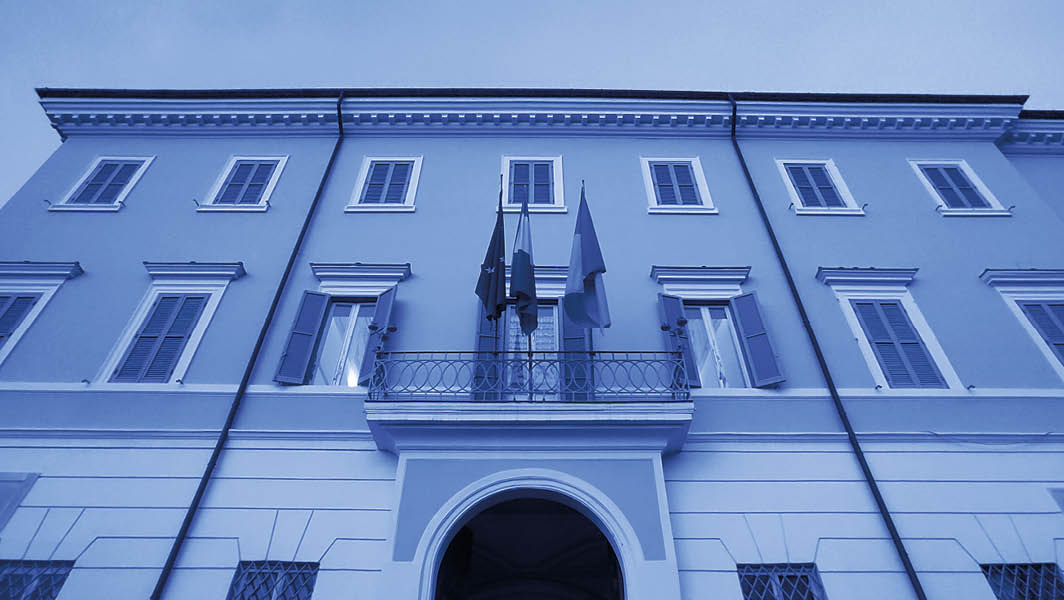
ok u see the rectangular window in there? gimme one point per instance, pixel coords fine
(789, 581)
(33, 579)
(246, 182)
(108, 182)
(814, 185)
(902, 355)
(13, 310)
(544, 339)
(716, 348)
(273, 580)
(956, 188)
(158, 344)
(674, 184)
(953, 187)
(1047, 318)
(1037, 581)
(531, 181)
(387, 182)
(343, 342)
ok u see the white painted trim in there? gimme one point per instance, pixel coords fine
(846, 293)
(363, 173)
(45, 286)
(701, 283)
(88, 386)
(559, 185)
(1015, 294)
(995, 210)
(851, 207)
(707, 206)
(119, 200)
(357, 279)
(550, 280)
(214, 288)
(208, 204)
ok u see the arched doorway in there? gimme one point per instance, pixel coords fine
(529, 548)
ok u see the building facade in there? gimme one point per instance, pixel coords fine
(241, 356)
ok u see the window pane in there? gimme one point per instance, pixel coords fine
(332, 343)
(730, 368)
(703, 349)
(359, 342)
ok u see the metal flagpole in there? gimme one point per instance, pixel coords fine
(530, 398)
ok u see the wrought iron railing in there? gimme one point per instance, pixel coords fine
(536, 376)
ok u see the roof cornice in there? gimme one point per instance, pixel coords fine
(1034, 136)
(64, 270)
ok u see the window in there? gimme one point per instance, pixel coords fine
(1038, 581)
(344, 341)
(901, 353)
(1036, 297)
(386, 184)
(544, 339)
(1047, 319)
(816, 187)
(106, 184)
(246, 183)
(676, 185)
(13, 309)
(13, 488)
(25, 289)
(715, 346)
(33, 579)
(535, 179)
(790, 581)
(273, 580)
(956, 188)
(156, 347)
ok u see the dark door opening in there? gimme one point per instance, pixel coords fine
(529, 548)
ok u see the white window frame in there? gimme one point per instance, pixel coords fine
(363, 173)
(851, 207)
(847, 293)
(1013, 294)
(994, 210)
(208, 204)
(706, 208)
(558, 206)
(119, 200)
(34, 278)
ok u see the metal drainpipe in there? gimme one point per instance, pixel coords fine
(168, 566)
(840, 409)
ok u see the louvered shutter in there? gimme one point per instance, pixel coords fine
(901, 353)
(674, 327)
(576, 362)
(1048, 319)
(662, 176)
(543, 183)
(157, 346)
(487, 365)
(757, 349)
(13, 309)
(303, 339)
(378, 334)
(685, 183)
(520, 178)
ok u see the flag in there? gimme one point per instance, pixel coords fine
(522, 275)
(491, 286)
(585, 296)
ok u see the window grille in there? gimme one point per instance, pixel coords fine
(33, 579)
(1039, 581)
(789, 581)
(273, 580)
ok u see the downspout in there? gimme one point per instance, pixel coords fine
(223, 437)
(840, 409)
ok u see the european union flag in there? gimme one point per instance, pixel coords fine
(491, 286)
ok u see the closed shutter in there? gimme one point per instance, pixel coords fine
(814, 186)
(575, 360)
(13, 309)
(487, 364)
(901, 353)
(378, 334)
(953, 186)
(760, 358)
(1048, 319)
(386, 182)
(157, 346)
(303, 339)
(674, 184)
(106, 182)
(674, 327)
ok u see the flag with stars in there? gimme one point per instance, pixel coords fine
(491, 286)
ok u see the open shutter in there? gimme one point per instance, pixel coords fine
(487, 365)
(576, 362)
(760, 357)
(674, 327)
(298, 352)
(378, 333)
(12, 310)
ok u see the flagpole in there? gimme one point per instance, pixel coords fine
(530, 397)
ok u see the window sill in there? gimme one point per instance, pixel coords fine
(682, 210)
(974, 212)
(233, 208)
(536, 209)
(85, 207)
(840, 212)
(379, 208)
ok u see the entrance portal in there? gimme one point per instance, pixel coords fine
(529, 548)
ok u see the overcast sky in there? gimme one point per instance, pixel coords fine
(924, 46)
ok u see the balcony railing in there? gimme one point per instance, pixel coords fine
(535, 376)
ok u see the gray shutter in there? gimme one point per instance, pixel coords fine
(187, 315)
(303, 339)
(378, 334)
(487, 363)
(12, 310)
(155, 349)
(1048, 319)
(757, 349)
(674, 327)
(576, 362)
(900, 351)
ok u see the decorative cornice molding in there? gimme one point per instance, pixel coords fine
(359, 278)
(550, 280)
(705, 283)
(1034, 136)
(195, 270)
(1022, 277)
(51, 270)
(864, 276)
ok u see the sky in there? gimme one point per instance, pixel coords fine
(895, 46)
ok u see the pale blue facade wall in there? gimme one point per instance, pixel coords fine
(1043, 173)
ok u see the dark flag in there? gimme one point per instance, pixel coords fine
(523, 276)
(585, 295)
(491, 286)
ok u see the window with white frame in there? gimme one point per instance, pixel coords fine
(956, 188)
(1036, 298)
(106, 184)
(158, 343)
(893, 336)
(718, 353)
(676, 185)
(246, 183)
(537, 180)
(25, 289)
(816, 187)
(344, 342)
(386, 184)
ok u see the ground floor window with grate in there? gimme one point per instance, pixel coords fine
(273, 580)
(1038, 581)
(33, 579)
(787, 581)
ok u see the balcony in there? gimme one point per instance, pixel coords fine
(529, 377)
